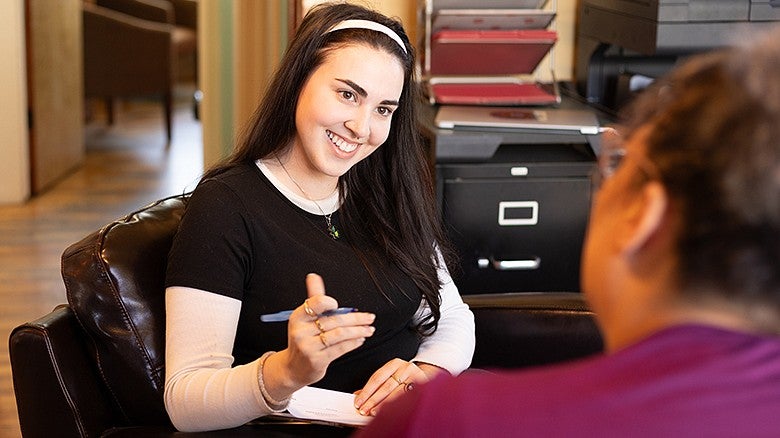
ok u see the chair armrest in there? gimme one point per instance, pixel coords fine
(516, 330)
(160, 11)
(58, 392)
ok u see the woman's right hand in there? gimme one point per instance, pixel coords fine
(314, 341)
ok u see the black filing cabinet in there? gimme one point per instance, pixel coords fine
(515, 204)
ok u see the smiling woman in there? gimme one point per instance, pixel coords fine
(344, 114)
(329, 186)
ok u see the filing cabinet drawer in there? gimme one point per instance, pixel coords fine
(517, 234)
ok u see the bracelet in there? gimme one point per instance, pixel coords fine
(270, 402)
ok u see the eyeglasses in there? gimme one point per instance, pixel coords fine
(611, 154)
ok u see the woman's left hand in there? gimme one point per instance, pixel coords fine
(390, 381)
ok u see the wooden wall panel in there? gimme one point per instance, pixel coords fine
(55, 85)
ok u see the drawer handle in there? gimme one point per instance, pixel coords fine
(528, 209)
(509, 265)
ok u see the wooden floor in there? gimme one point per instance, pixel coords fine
(127, 166)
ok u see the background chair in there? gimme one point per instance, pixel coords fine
(182, 14)
(132, 49)
(95, 366)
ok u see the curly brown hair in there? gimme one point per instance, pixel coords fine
(715, 141)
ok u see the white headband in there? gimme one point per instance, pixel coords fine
(371, 25)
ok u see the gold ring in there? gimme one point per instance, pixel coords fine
(399, 381)
(307, 309)
(319, 326)
(322, 339)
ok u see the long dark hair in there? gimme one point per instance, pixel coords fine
(391, 192)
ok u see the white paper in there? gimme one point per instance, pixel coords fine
(326, 405)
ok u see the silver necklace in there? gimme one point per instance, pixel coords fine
(332, 231)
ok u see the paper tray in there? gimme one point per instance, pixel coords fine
(492, 19)
(488, 4)
(489, 52)
(506, 93)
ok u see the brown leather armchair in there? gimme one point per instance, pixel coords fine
(95, 366)
(132, 48)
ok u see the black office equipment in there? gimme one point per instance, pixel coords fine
(619, 39)
(515, 201)
(512, 156)
(579, 120)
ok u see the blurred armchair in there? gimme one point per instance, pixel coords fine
(182, 14)
(132, 48)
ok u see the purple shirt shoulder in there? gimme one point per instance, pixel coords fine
(689, 380)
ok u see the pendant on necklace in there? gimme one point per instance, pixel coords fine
(332, 231)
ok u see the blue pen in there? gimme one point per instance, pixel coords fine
(284, 315)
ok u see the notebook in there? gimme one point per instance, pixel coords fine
(583, 121)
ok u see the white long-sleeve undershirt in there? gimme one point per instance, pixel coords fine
(204, 392)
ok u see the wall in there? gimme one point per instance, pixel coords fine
(55, 90)
(14, 150)
(215, 57)
(30, 161)
(240, 43)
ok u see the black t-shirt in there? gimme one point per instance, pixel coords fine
(240, 237)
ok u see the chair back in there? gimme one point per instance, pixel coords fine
(115, 283)
(125, 56)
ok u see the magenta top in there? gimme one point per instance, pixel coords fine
(684, 381)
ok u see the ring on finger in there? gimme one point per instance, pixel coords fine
(409, 386)
(319, 326)
(308, 309)
(399, 381)
(322, 339)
